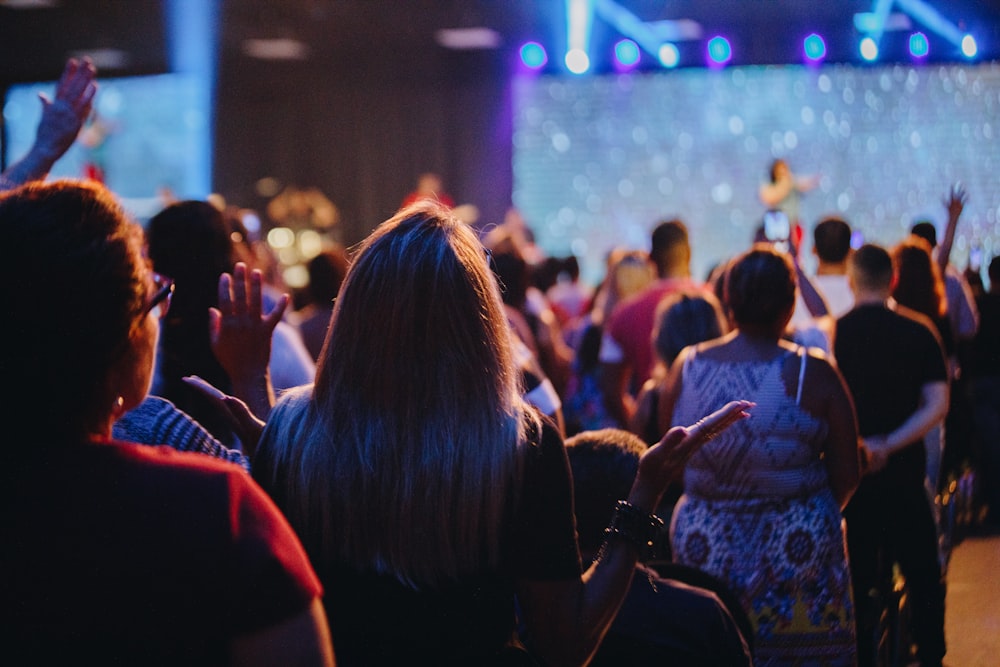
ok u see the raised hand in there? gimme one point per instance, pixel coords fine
(955, 201)
(240, 334)
(61, 121)
(63, 117)
(665, 461)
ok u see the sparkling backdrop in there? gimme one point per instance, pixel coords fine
(599, 160)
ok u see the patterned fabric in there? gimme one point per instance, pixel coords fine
(157, 421)
(758, 513)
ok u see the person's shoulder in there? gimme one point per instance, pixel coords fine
(913, 320)
(291, 404)
(165, 460)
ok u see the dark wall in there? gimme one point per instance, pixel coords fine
(362, 132)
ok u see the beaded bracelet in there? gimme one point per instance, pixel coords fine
(635, 526)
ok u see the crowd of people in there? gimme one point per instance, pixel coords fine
(458, 453)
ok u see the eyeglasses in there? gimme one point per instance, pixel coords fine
(159, 304)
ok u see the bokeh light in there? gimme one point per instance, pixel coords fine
(533, 55)
(919, 47)
(627, 53)
(814, 47)
(719, 50)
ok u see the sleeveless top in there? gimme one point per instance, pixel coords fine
(774, 455)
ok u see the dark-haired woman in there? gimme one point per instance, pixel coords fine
(762, 504)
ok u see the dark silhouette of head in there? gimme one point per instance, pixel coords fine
(832, 240)
(670, 249)
(72, 295)
(871, 268)
(326, 274)
(925, 230)
(604, 464)
(686, 318)
(760, 289)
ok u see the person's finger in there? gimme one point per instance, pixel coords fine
(214, 325)
(225, 294)
(717, 422)
(205, 387)
(67, 76)
(277, 312)
(86, 100)
(239, 289)
(76, 83)
(256, 294)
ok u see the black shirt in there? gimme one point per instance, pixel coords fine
(887, 356)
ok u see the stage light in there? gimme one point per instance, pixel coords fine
(814, 47)
(627, 52)
(669, 55)
(869, 49)
(577, 61)
(969, 47)
(579, 21)
(918, 45)
(719, 50)
(533, 55)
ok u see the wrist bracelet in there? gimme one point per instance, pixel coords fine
(638, 528)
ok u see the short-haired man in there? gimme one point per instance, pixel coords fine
(832, 247)
(894, 365)
(626, 354)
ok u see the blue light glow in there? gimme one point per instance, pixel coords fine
(814, 47)
(533, 55)
(719, 50)
(918, 45)
(627, 52)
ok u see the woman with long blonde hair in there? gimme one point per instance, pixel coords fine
(428, 494)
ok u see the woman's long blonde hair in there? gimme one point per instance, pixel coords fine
(405, 458)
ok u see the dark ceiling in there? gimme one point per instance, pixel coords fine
(37, 35)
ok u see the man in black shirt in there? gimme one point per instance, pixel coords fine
(894, 365)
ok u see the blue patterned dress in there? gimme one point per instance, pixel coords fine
(759, 514)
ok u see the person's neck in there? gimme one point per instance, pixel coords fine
(871, 297)
(756, 339)
(831, 268)
(675, 273)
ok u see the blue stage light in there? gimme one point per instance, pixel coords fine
(814, 47)
(918, 45)
(719, 50)
(627, 52)
(533, 55)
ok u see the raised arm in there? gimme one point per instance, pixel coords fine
(61, 121)
(954, 202)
